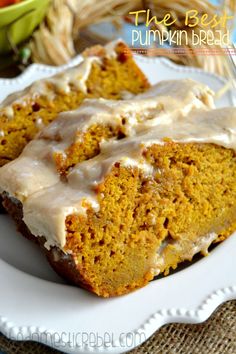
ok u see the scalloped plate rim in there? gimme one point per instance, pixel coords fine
(78, 58)
(163, 316)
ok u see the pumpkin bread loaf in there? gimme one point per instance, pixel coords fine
(118, 192)
(105, 72)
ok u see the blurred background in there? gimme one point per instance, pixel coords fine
(53, 31)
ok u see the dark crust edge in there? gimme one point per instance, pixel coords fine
(63, 264)
(2, 209)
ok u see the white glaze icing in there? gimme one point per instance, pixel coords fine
(187, 247)
(136, 114)
(152, 108)
(179, 114)
(74, 77)
(9, 112)
(39, 123)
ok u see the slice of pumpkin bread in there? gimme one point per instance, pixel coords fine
(142, 203)
(105, 72)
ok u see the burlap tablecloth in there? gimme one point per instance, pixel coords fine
(215, 336)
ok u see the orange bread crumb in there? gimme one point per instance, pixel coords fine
(192, 195)
(109, 78)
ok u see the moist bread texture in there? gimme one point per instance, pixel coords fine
(145, 226)
(118, 192)
(105, 72)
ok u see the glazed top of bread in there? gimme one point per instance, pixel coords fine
(62, 82)
(179, 110)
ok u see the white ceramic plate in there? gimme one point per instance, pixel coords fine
(35, 304)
